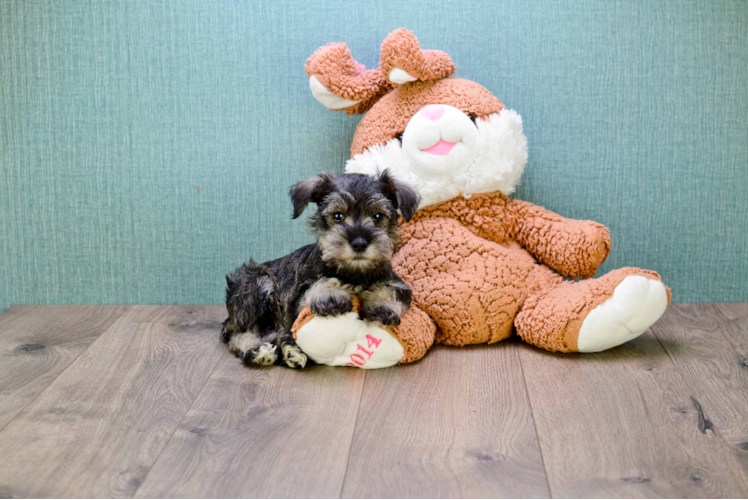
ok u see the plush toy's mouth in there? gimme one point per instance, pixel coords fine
(440, 148)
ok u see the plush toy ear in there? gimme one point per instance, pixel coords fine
(311, 190)
(404, 198)
(403, 61)
(339, 83)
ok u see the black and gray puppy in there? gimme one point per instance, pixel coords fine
(356, 225)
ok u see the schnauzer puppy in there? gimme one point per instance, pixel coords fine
(356, 225)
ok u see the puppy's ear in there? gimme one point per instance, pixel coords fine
(404, 198)
(311, 190)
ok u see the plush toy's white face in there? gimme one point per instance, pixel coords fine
(443, 154)
(440, 142)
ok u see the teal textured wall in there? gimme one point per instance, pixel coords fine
(146, 146)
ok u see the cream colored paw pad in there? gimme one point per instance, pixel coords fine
(347, 341)
(637, 302)
(265, 355)
(293, 356)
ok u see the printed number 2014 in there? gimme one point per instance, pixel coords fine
(358, 359)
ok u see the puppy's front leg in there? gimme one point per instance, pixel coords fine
(253, 349)
(329, 297)
(385, 303)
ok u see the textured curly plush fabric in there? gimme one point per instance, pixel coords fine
(574, 248)
(401, 50)
(336, 69)
(382, 124)
(477, 264)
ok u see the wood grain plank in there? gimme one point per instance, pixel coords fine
(99, 427)
(456, 424)
(623, 423)
(37, 343)
(709, 345)
(271, 432)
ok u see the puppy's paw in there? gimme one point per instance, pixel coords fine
(380, 314)
(293, 357)
(331, 305)
(263, 355)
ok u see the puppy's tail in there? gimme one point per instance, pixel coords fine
(249, 300)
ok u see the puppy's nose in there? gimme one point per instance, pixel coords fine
(433, 112)
(359, 244)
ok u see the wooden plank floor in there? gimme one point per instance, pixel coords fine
(144, 401)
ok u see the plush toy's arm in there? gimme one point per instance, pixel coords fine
(573, 248)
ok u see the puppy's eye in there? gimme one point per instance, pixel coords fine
(472, 118)
(400, 138)
(377, 217)
(338, 216)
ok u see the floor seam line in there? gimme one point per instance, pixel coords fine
(197, 396)
(534, 423)
(353, 435)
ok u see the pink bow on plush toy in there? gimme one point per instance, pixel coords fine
(480, 265)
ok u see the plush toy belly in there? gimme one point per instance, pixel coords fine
(472, 288)
(346, 341)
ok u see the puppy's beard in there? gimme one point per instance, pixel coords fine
(337, 251)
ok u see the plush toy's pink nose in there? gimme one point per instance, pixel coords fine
(433, 112)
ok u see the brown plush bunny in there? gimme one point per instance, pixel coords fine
(480, 265)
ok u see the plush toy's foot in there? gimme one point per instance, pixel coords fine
(636, 304)
(346, 340)
(590, 315)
